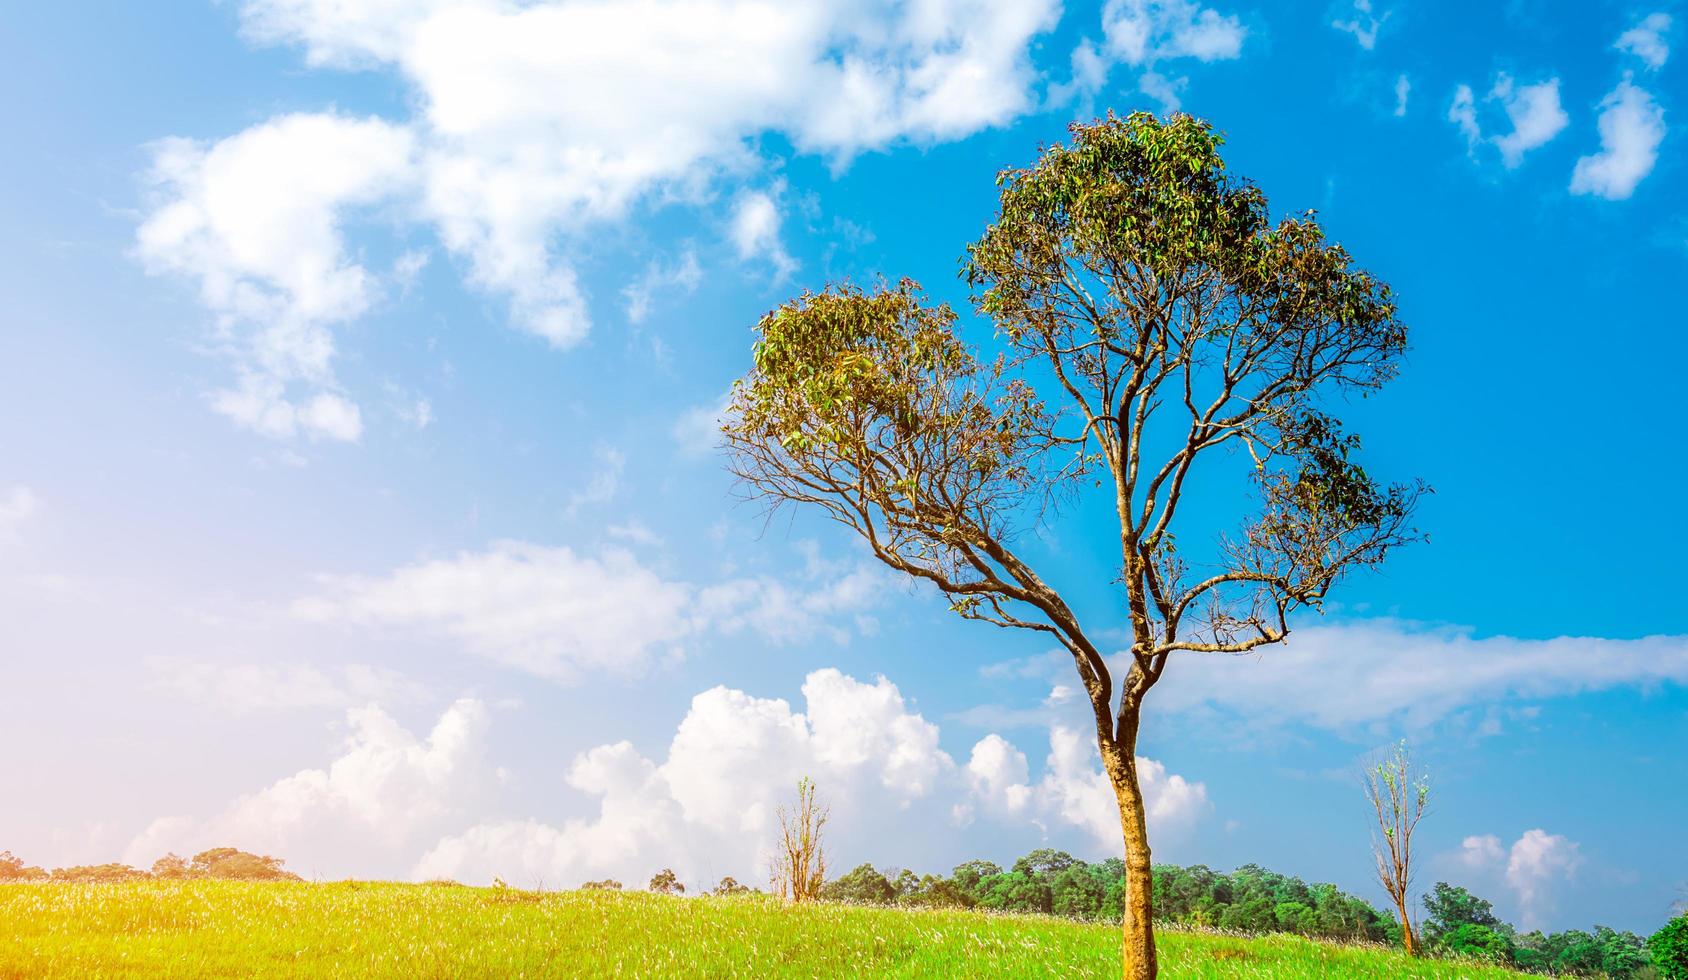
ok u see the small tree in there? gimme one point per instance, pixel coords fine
(800, 861)
(1150, 314)
(1399, 795)
(12, 868)
(729, 886)
(665, 882)
(862, 885)
(602, 885)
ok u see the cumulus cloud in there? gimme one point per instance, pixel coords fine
(556, 613)
(1535, 865)
(711, 803)
(1365, 24)
(1533, 111)
(1646, 40)
(709, 806)
(756, 232)
(537, 123)
(366, 811)
(1481, 851)
(256, 220)
(1632, 126)
(1076, 791)
(1148, 35)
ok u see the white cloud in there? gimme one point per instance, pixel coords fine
(1462, 112)
(1365, 24)
(368, 810)
(246, 687)
(18, 506)
(1646, 40)
(602, 486)
(1535, 865)
(1481, 851)
(1343, 677)
(1632, 126)
(1536, 862)
(997, 773)
(1533, 111)
(554, 613)
(710, 804)
(1075, 789)
(1403, 88)
(1147, 34)
(256, 220)
(698, 429)
(708, 807)
(1168, 92)
(536, 124)
(755, 232)
(683, 276)
(1142, 32)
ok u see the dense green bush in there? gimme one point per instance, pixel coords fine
(1669, 947)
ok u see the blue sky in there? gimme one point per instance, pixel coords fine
(357, 501)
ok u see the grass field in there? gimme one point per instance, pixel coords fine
(367, 929)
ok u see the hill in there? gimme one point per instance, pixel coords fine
(377, 929)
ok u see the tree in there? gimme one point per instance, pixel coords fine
(1669, 949)
(605, 884)
(863, 885)
(1150, 314)
(665, 882)
(729, 886)
(1399, 795)
(1479, 942)
(232, 863)
(800, 861)
(1450, 907)
(12, 868)
(969, 875)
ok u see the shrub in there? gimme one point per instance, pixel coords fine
(1669, 948)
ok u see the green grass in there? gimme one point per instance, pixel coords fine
(369, 929)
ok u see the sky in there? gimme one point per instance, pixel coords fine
(359, 501)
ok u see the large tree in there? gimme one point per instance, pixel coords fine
(1149, 314)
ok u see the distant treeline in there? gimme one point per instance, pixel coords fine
(1254, 900)
(219, 862)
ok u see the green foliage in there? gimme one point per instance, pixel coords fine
(1255, 900)
(863, 885)
(1450, 907)
(1477, 941)
(1669, 949)
(604, 884)
(729, 886)
(1604, 952)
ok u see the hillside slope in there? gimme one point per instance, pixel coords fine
(377, 929)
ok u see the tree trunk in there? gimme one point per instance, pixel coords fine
(1138, 926)
(1407, 939)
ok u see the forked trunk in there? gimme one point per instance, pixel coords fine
(1138, 925)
